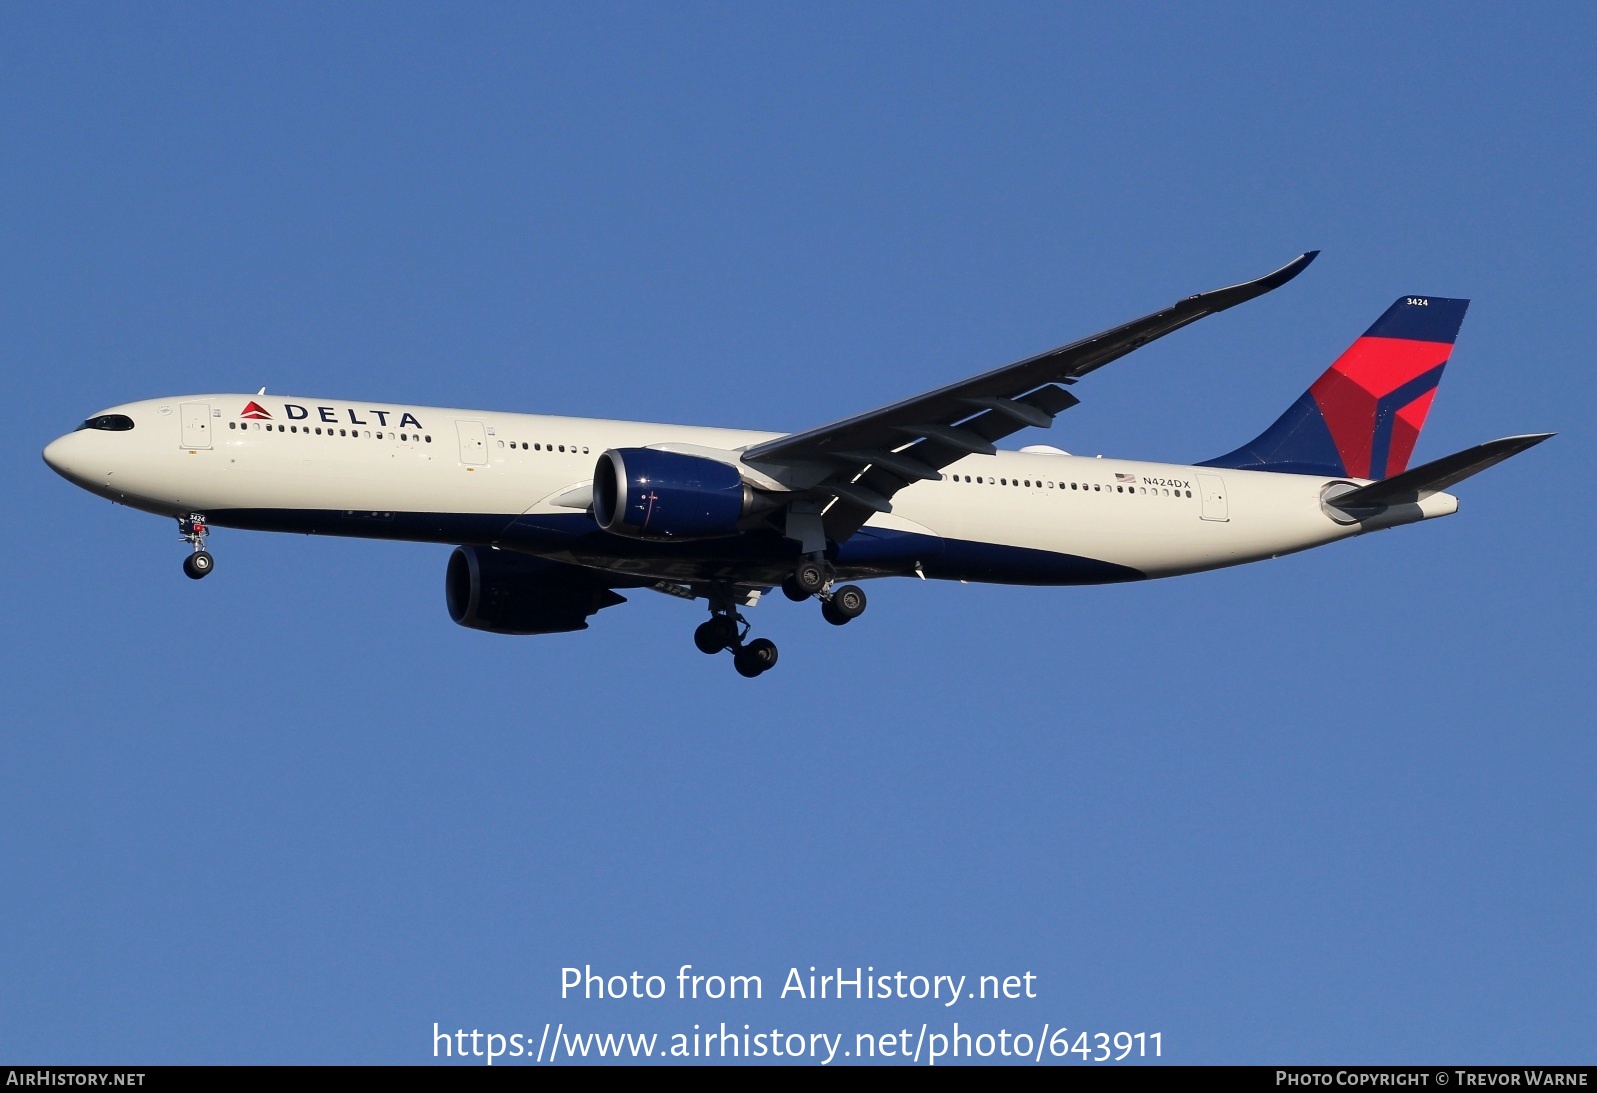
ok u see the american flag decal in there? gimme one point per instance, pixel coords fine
(1125, 478)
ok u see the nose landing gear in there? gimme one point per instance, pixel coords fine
(193, 530)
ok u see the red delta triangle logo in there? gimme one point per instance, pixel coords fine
(255, 411)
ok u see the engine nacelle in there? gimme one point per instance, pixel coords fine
(644, 493)
(508, 593)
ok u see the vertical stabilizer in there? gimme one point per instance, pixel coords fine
(1362, 417)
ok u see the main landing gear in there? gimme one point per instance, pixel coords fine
(843, 604)
(808, 578)
(838, 605)
(193, 531)
(726, 629)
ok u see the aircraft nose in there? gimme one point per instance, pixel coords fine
(65, 457)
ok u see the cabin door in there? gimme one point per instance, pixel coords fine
(196, 425)
(1212, 489)
(473, 442)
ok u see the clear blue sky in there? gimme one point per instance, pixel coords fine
(1333, 807)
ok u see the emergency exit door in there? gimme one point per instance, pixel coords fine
(196, 424)
(473, 442)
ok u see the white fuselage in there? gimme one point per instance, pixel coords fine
(518, 481)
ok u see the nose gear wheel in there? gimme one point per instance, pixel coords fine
(193, 530)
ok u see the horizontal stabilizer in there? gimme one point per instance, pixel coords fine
(1438, 475)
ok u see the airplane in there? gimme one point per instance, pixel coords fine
(551, 516)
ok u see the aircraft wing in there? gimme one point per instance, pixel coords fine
(863, 460)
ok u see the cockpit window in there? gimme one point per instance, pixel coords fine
(109, 423)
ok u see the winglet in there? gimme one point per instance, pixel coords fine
(1436, 476)
(1221, 298)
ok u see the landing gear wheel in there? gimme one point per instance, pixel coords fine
(791, 589)
(719, 632)
(757, 656)
(847, 602)
(726, 627)
(808, 577)
(198, 564)
(708, 638)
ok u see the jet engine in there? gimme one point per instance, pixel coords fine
(644, 493)
(507, 593)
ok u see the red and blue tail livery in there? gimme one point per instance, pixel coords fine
(1363, 416)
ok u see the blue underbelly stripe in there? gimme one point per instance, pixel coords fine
(753, 557)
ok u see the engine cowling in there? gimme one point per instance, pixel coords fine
(644, 493)
(507, 593)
